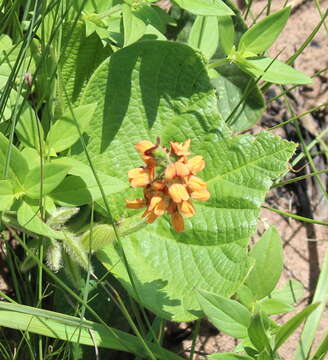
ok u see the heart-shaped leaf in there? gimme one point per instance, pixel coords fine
(157, 88)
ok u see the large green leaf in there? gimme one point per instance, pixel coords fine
(239, 98)
(140, 98)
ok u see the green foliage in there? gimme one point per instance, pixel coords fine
(205, 7)
(291, 325)
(227, 33)
(134, 28)
(28, 216)
(74, 329)
(229, 316)
(267, 253)
(6, 194)
(240, 101)
(97, 80)
(184, 112)
(12, 163)
(66, 130)
(273, 70)
(204, 35)
(257, 333)
(41, 180)
(263, 34)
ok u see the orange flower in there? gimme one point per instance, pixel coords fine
(169, 182)
(177, 222)
(202, 195)
(181, 149)
(196, 164)
(136, 204)
(187, 209)
(196, 184)
(178, 192)
(139, 177)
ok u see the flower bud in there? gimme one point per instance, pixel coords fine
(177, 222)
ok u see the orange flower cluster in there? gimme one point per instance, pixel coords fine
(169, 182)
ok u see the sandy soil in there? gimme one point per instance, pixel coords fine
(304, 246)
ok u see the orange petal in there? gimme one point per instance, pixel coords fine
(182, 169)
(136, 172)
(196, 184)
(187, 209)
(135, 204)
(196, 164)
(177, 222)
(202, 195)
(139, 177)
(170, 172)
(140, 181)
(178, 192)
(151, 217)
(144, 145)
(161, 207)
(180, 149)
(154, 201)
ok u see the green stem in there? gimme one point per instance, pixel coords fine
(194, 338)
(296, 217)
(290, 181)
(294, 118)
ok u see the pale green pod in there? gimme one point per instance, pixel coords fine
(61, 216)
(54, 256)
(75, 250)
